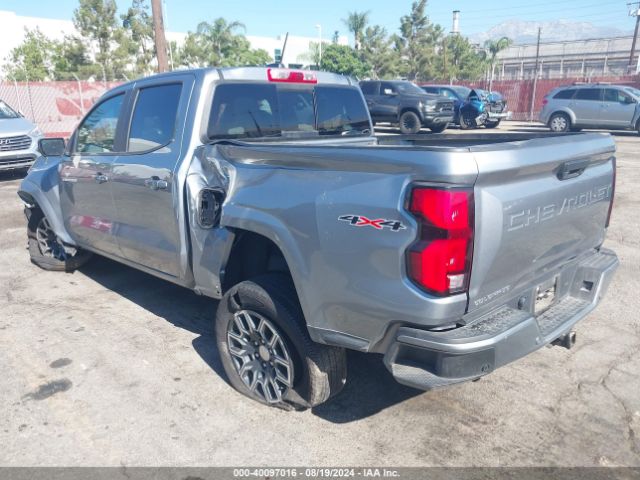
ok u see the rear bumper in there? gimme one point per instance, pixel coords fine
(426, 359)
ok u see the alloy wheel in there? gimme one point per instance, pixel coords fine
(260, 355)
(559, 124)
(48, 241)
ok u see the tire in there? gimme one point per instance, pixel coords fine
(559, 123)
(45, 249)
(257, 310)
(438, 128)
(467, 120)
(492, 124)
(409, 123)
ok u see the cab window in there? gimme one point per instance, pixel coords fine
(97, 132)
(154, 117)
(613, 95)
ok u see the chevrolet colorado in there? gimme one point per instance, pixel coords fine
(265, 189)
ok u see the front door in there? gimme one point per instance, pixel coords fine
(85, 194)
(388, 102)
(144, 184)
(618, 109)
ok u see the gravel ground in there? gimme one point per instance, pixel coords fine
(109, 366)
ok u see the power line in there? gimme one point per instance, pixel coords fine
(540, 4)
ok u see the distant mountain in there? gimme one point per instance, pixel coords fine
(527, 32)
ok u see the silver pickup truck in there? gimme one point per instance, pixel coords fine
(265, 189)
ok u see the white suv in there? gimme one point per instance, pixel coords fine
(18, 139)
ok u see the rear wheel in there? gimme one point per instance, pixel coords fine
(438, 128)
(266, 350)
(409, 123)
(559, 123)
(47, 251)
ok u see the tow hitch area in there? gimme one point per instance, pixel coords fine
(568, 340)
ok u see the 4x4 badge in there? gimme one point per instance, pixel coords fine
(378, 223)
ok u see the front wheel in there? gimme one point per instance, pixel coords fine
(266, 350)
(468, 120)
(409, 123)
(47, 251)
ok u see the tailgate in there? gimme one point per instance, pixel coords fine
(539, 204)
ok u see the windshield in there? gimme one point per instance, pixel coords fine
(7, 112)
(463, 92)
(633, 91)
(250, 110)
(409, 88)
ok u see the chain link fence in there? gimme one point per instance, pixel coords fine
(55, 107)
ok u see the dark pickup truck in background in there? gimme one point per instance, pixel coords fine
(403, 103)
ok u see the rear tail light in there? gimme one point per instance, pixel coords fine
(291, 76)
(613, 191)
(440, 261)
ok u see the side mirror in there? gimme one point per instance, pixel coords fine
(629, 100)
(51, 147)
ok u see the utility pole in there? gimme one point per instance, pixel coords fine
(634, 11)
(535, 77)
(158, 30)
(444, 58)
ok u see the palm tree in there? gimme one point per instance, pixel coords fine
(220, 34)
(356, 22)
(494, 47)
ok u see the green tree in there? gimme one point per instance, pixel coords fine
(71, 60)
(417, 43)
(218, 44)
(344, 60)
(311, 56)
(32, 59)
(462, 61)
(379, 53)
(356, 22)
(493, 47)
(96, 21)
(137, 38)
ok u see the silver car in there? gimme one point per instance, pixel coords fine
(578, 106)
(18, 139)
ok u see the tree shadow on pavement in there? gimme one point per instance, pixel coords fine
(370, 387)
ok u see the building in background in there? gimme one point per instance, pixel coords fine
(567, 59)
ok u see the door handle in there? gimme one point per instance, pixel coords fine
(100, 178)
(154, 183)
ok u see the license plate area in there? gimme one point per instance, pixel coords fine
(545, 295)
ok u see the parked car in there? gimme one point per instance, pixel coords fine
(571, 108)
(266, 189)
(473, 107)
(404, 103)
(18, 139)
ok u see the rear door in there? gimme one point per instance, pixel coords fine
(144, 182)
(85, 188)
(587, 104)
(539, 205)
(618, 109)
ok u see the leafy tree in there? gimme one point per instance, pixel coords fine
(70, 57)
(218, 44)
(356, 22)
(462, 61)
(378, 52)
(311, 56)
(417, 43)
(96, 21)
(138, 37)
(32, 59)
(344, 60)
(493, 47)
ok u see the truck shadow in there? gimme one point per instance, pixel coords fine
(370, 387)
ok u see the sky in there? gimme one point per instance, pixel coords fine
(300, 17)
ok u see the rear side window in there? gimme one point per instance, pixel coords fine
(565, 94)
(244, 110)
(594, 94)
(97, 132)
(368, 88)
(154, 117)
